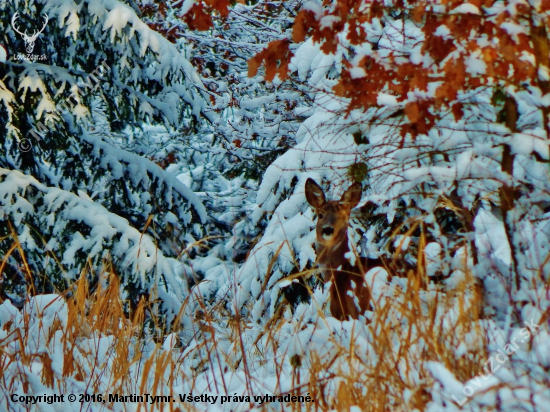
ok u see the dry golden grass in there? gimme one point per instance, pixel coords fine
(378, 367)
(384, 382)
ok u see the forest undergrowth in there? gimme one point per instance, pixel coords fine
(84, 341)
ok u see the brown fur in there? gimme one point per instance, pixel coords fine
(331, 247)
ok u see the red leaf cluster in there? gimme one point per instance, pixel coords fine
(485, 45)
(275, 57)
(508, 44)
(199, 16)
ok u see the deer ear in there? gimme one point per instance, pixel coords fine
(314, 194)
(352, 196)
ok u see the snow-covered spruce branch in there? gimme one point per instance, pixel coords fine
(75, 230)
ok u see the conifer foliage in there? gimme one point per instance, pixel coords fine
(69, 114)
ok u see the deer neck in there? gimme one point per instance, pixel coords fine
(337, 269)
(331, 258)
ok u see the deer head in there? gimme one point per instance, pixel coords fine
(29, 40)
(348, 293)
(332, 221)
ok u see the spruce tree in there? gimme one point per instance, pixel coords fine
(74, 194)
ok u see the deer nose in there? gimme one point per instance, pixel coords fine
(327, 232)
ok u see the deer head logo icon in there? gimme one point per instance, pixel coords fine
(29, 40)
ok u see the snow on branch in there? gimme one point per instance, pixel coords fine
(75, 229)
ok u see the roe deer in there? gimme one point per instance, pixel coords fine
(349, 295)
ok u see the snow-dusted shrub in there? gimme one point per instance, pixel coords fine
(66, 121)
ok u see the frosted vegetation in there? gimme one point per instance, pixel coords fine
(155, 236)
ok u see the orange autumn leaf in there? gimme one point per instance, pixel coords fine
(412, 111)
(253, 65)
(304, 21)
(418, 13)
(275, 58)
(197, 18)
(221, 6)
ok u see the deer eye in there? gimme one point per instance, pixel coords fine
(320, 215)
